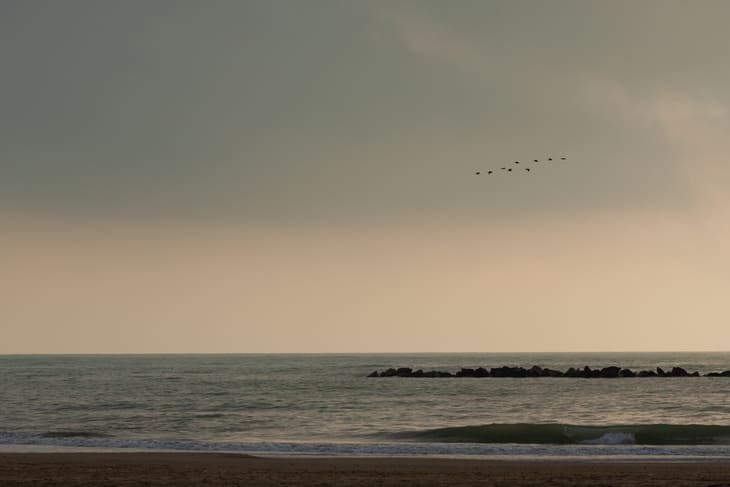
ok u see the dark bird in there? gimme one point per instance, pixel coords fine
(509, 169)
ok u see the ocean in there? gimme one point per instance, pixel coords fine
(312, 404)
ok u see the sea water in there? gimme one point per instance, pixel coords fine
(326, 405)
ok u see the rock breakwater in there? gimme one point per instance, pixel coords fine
(612, 372)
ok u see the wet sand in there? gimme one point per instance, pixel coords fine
(217, 469)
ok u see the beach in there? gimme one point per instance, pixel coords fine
(218, 469)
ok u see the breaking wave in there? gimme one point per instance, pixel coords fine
(567, 434)
(585, 442)
(74, 434)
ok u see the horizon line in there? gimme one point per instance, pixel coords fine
(3, 354)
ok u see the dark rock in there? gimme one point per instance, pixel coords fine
(481, 372)
(391, 372)
(508, 372)
(534, 371)
(537, 371)
(609, 372)
(517, 372)
(465, 373)
(499, 372)
(404, 372)
(551, 373)
(679, 372)
(571, 372)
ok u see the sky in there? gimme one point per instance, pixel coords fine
(282, 176)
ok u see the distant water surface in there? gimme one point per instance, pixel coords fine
(325, 404)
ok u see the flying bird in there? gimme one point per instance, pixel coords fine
(528, 168)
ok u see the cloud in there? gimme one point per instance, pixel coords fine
(427, 37)
(694, 127)
(691, 124)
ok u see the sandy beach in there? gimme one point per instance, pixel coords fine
(213, 469)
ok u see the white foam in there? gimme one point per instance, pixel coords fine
(617, 438)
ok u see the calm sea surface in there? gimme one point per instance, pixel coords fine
(325, 405)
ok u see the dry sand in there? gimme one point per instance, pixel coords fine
(217, 469)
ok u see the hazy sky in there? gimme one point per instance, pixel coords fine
(286, 176)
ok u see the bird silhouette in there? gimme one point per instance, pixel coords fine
(528, 168)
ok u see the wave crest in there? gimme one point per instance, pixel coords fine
(561, 434)
(74, 434)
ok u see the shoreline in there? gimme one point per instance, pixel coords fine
(195, 468)
(61, 452)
